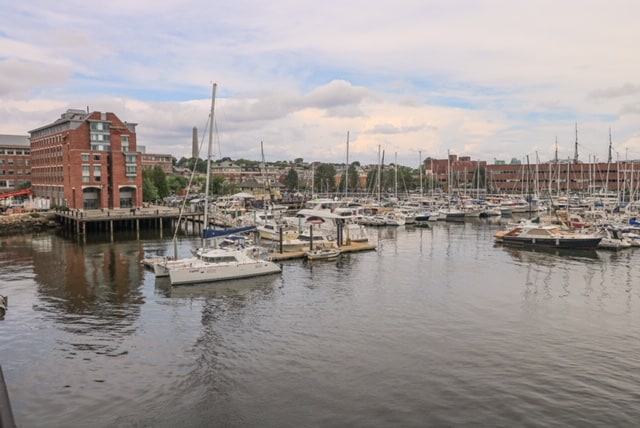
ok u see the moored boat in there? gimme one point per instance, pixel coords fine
(323, 254)
(549, 236)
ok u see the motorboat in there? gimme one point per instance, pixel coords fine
(271, 230)
(550, 236)
(307, 239)
(323, 254)
(613, 239)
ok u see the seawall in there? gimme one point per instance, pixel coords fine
(14, 224)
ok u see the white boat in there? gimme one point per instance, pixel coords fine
(219, 264)
(323, 254)
(394, 218)
(270, 230)
(613, 239)
(304, 241)
(232, 261)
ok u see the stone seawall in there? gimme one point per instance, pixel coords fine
(26, 223)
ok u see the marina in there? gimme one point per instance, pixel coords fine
(439, 326)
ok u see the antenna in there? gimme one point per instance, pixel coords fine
(575, 155)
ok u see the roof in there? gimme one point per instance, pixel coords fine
(14, 140)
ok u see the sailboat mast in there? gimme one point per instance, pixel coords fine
(206, 194)
(395, 175)
(346, 171)
(420, 168)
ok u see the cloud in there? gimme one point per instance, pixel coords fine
(488, 79)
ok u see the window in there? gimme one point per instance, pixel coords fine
(85, 157)
(131, 170)
(125, 143)
(85, 174)
(101, 147)
(96, 157)
(100, 126)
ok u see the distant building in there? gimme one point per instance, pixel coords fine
(151, 160)
(15, 160)
(87, 160)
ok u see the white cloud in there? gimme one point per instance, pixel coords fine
(488, 79)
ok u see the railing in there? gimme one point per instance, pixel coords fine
(6, 414)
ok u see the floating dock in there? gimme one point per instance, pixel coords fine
(354, 247)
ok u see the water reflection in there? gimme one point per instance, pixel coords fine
(236, 288)
(548, 256)
(91, 291)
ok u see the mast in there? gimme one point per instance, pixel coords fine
(575, 153)
(346, 171)
(395, 175)
(420, 167)
(206, 194)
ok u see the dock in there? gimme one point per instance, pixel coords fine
(353, 247)
(81, 222)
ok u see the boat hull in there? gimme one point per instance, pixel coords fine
(564, 243)
(204, 272)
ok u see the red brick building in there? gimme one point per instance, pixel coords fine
(87, 160)
(15, 161)
(151, 160)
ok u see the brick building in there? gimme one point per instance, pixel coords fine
(151, 160)
(15, 159)
(87, 160)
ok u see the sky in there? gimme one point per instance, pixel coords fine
(404, 80)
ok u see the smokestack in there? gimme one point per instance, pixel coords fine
(194, 149)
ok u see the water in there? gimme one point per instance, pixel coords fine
(438, 327)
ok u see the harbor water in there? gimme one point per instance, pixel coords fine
(437, 327)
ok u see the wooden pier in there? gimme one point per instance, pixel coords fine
(109, 221)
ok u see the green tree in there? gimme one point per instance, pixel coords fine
(291, 180)
(176, 182)
(159, 179)
(324, 180)
(216, 185)
(353, 179)
(149, 190)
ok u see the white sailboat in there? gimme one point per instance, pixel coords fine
(217, 263)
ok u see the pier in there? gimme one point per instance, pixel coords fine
(158, 218)
(353, 247)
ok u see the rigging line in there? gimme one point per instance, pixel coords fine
(193, 171)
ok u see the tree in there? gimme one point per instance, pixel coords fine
(176, 182)
(149, 191)
(291, 180)
(159, 179)
(324, 179)
(216, 185)
(353, 179)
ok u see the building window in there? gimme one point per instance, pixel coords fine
(131, 170)
(100, 126)
(101, 147)
(85, 157)
(96, 157)
(85, 174)
(125, 143)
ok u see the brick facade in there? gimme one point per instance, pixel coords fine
(87, 161)
(15, 158)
